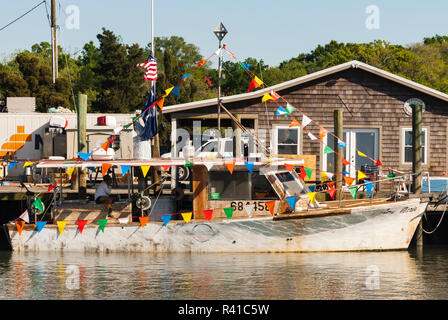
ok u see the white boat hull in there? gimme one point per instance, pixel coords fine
(378, 227)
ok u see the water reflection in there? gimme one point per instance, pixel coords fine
(365, 275)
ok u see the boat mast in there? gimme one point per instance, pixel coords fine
(54, 43)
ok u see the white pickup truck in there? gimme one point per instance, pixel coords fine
(210, 150)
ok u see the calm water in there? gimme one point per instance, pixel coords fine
(378, 275)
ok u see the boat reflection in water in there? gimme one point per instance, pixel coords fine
(361, 275)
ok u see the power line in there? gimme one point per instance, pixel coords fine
(21, 16)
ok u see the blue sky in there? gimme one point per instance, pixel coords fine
(270, 30)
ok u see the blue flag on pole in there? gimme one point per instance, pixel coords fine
(149, 116)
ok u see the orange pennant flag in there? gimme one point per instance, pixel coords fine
(294, 123)
(271, 206)
(330, 184)
(105, 145)
(202, 62)
(104, 168)
(230, 165)
(161, 102)
(331, 192)
(20, 224)
(143, 220)
(345, 162)
(349, 180)
(322, 132)
(289, 167)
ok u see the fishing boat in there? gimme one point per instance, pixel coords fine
(262, 222)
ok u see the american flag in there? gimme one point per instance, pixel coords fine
(151, 68)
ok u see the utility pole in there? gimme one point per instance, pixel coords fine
(54, 43)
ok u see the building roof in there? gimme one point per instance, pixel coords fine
(309, 77)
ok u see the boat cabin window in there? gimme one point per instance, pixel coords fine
(290, 184)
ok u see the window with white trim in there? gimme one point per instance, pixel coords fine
(286, 140)
(406, 145)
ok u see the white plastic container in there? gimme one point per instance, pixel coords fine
(101, 154)
(59, 122)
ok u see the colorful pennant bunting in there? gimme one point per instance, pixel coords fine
(40, 225)
(312, 136)
(289, 108)
(166, 219)
(312, 196)
(143, 220)
(102, 224)
(230, 166)
(361, 175)
(208, 214)
(229, 212)
(19, 225)
(312, 188)
(280, 111)
(12, 165)
(25, 216)
(267, 97)
(104, 168)
(353, 190)
(188, 163)
(38, 204)
(305, 121)
(254, 84)
(322, 133)
(292, 202)
(187, 216)
(361, 154)
(294, 123)
(328, 150)
(145, 170)
(81, 224)
(309, 172)
(105, 145)
(249, 209)
(289, 167)
(84, 155)
(369, 187)
(249, 166)
(124, 169)
(331, 192)
(349, 180)
(271, 206)
(341, 143)
(61, 226)
(378, 162)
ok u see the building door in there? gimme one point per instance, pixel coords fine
(363, 140)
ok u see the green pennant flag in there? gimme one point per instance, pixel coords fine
(228, 212)
(309, 172)
(392, 175)
(353, 191)
(289, 109)
(38, 204)
(102, 224)
(188, 163)
(328, 150)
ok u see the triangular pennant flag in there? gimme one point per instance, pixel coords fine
(312, 188)
(161, 102)
(331, 192)
(280, 111)
(361, 175)
(312, 196)
(249, 208)
(20, 224)
(188, 163)
(104, 168)
(12, 165)
(81, 224)
(309, 172)
(208, 214)
(345, 162)
(361, 154)
(166, 167)
(323, 176)
(341, 143)
(145, 170)
(271, 206)
(38, 204)
(143, 220)
(249, 166)
(102, 224)
(124, 169)
(229, 212)
(294, 123)
(292, 202)
(353, 190)
(345, 172)
(40, 225)
(25, 216)
(302, 173)
(61, 226)
(369, 187)
(187, 216)
(52, 187)
(274, 95)
(289, 167)
(168, 91)
(312, 136)
(105, 145)
(27, 164)
(349, 180)
(305, 121)
(175, 91)
(202, 62)
(392, 175)
(267, 97)
(208, 166)
(289, 108)
(378, 162)
(322, 133)
(328, 150)
(230, 166)
(84, 155)
(329, 175)
(330, 184)
(256, 82)
(185, 76)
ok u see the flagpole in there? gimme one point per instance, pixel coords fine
(155, 150)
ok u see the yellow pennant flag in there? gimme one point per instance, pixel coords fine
(361, 154)
(145, 170)
(69, 171)
(61, 226)
(168, 91)
(361, 175)
(312, 196)
(28, 163)
(258, 81)
(323, 175)
(266, 97)
(187, 216)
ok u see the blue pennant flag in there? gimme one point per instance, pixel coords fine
(149, 116)
(12, 165)
(345, 172)
(369, 187)
(280, 111)
(40, 225)
(312, 188)
(175, 91)
(292, 202)
(341, 143)
(91, 169)
(246, 66)
(249, 166)
(84, 155)
(124, 169)
(185, 76)
(166, 218)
